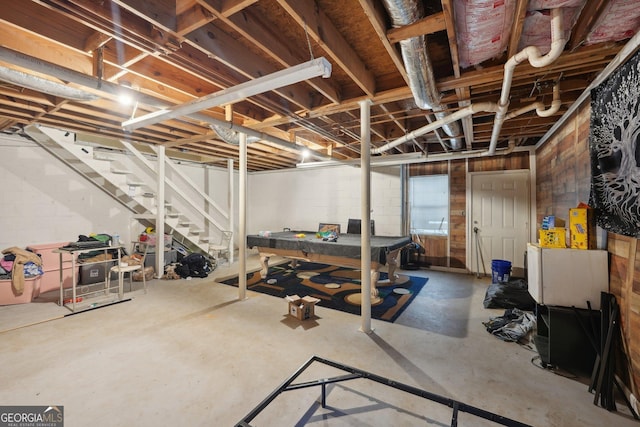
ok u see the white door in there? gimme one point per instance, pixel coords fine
(499, 218)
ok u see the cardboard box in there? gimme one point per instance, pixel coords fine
(554, 238)
(301, 308)
(550, 222)
(582, 228)
(136, 276)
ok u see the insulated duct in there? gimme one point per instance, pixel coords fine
(43, 85)
(418, 65)
(231, 136)
(67, 74)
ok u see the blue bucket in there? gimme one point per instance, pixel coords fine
(500, 270)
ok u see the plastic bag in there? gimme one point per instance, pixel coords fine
(511, 294)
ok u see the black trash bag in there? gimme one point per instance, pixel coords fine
(182, 270)
(198, 264)
(511, 294)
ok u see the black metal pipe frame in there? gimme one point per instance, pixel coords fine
(357, 373)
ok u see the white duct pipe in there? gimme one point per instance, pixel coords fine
(230, 136)
(43, 85)
(539, 106)
(417, 62)
(66, 74)
(460, 114)
(402, 159)
(532, 54)
(255, 136)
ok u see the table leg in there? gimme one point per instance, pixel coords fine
(121, 279)
(264, 260)
(375, 275)
(392, 260)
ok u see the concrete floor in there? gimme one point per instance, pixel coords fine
(189, 353)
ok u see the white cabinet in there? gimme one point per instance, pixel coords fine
(567, 277)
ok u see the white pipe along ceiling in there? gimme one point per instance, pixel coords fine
(530, 53)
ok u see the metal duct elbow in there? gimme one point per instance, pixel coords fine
(418, 65)
(231, 136)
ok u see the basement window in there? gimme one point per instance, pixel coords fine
(429, 205)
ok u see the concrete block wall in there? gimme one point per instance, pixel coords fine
(44, 201)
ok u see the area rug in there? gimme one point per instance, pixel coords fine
(336, 287)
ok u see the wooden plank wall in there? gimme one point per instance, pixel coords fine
(451, 252)
(563, 171)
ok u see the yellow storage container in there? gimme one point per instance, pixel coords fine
(554, 238)
(582, 228)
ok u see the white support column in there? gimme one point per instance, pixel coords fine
(230, 209)
(365, 209)
(160, 212)
(242, 221)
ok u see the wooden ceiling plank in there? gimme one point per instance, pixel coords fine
(516, 27)
(463, 94)
(118, 23)
(377, 17)
(213, 41)
(427, 25)
(261, 35)
(231, 7)
(161, 12)
(193, 18)
(589, 15)
(226, 8)
(30, 44)
(320, 28)
(96, 41)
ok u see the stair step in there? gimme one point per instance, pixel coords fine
(148, 194)
(120, 171)
(196, 231)
(100, 156)
(173, 214)
(135, 183)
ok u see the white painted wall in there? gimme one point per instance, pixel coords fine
(300, 199)
(44, 201)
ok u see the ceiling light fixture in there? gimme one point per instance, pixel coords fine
(125, 97)
(308, 70)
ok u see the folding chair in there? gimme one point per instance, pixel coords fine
(216, 251)
(121, 270)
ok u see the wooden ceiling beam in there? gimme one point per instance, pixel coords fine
(212, 41)
(427, 25)
(319, 27)
(261, 35)
(589, 15)
(516, 27)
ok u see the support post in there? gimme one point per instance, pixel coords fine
(242, 222)
(160, 212)
(365, 209)
(230, 208)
